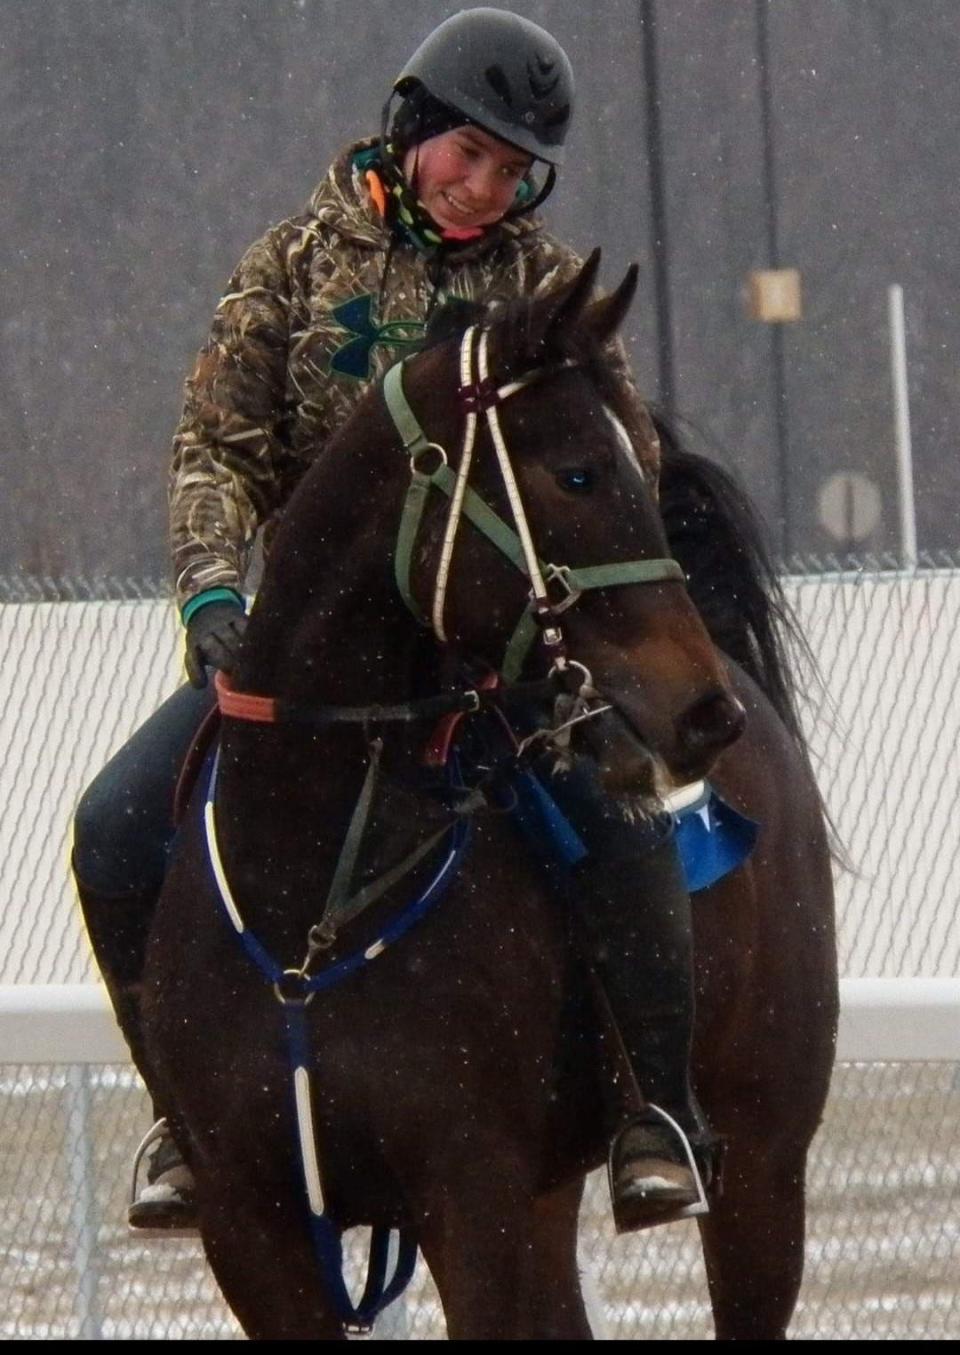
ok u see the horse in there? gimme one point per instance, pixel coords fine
(453, 1073)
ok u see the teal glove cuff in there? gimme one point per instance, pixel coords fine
(209, 595)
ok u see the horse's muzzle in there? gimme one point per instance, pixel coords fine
(632, 767)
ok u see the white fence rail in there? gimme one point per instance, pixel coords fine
(881, 1021)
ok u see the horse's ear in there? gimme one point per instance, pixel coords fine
(605, 317)
(570, 301)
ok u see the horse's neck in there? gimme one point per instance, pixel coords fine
(328, 629)
(287, 793)
(328, 625)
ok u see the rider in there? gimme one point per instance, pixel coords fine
(441, 203)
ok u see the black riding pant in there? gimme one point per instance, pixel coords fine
(631, 902)
(124, 822)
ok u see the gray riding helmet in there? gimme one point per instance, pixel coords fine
(506, 74)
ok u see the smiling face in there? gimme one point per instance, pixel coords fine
(465, 178)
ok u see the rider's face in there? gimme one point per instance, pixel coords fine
(465, 178)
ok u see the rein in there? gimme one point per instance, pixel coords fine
(480, 396)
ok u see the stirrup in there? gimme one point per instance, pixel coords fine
(688, 1211)
(156, 1132)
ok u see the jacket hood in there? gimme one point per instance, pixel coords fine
(342, 201)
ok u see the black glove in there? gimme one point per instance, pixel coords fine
(213, 639)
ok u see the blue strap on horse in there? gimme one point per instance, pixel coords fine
(712, 837)
(327, 1237)
(294, 989)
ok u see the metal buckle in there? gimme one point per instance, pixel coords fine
(300, 1000)
(586, 690)
(427, 447)
(561, 573)
(474, 698)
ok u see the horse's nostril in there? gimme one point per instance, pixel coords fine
(711, 723)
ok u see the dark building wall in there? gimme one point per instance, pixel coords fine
(864, 125)
(146, 144)
(862, 113)
(716, 231)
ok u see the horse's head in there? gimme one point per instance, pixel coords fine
(585, 458)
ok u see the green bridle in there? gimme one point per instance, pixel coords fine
(540, 614)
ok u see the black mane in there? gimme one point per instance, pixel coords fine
(715, 533)
(521, 342)
(452, 319)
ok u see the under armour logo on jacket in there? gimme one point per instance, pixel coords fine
(356, 317)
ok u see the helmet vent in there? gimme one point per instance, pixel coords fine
(558, 118)
(499, 83)
(542, 80)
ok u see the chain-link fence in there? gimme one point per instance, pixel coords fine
(83, 665)
(881, 1239)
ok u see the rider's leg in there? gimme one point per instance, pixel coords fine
(634, 912)
(123, 829)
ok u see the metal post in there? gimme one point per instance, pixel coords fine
(781, 422)
(659, 244)
(83, 1204)
(901, 419)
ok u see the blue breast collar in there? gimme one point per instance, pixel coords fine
(712, 837)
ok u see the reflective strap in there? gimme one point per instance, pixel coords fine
(308, 1139)
(325, 1232)
(485, 520)
(493, 527)
(456, 497)
(534, 569)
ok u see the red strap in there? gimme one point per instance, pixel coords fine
(437, 749)
(243, 705)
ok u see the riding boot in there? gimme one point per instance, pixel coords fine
(118, 928)
(633, 910)
(635, 916)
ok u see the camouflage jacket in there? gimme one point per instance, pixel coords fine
(311, 315)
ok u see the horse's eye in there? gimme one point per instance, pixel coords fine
(577, 479)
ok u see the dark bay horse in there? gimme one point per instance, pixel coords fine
(454, 1077)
